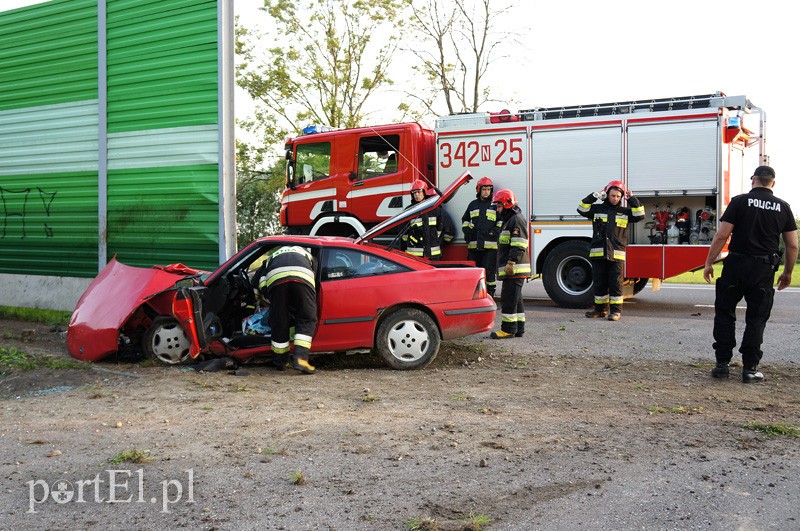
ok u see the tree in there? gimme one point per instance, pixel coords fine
(257, 195)
(330, 58)
(458, 42)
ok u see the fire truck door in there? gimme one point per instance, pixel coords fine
(376, 190)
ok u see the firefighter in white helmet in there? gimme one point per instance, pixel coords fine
(422, 235)
(609, 240)
(481, 227)
(513, 264)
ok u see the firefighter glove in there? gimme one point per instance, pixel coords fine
(601, 195)
(510, 268)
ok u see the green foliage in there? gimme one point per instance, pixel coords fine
(35, 315)
(257, 195)
(327, 58)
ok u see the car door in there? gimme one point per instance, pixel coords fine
(354, 286)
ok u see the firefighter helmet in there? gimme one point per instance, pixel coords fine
(430, 192)
(505, 197)
(616, 184)
(483, 181)
(419, 184)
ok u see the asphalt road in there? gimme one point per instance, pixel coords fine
(675, 322)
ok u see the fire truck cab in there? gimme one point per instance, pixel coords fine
(341, 183)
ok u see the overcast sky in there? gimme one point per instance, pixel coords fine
(581, 52)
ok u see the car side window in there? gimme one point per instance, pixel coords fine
(349, 263)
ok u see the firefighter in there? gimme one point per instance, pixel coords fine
(422, 235)
(287, 280)
(480, 226)
(513, 264)
(754, 221)
(609, 239)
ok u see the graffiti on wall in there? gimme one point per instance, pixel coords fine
(18, 204)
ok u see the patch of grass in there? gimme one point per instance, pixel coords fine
(686, 410)
(96, 391)
(132, 455)
(297, 477)
(207, 408)
(460, 397)
(268, 451)
(476, 521)
(773, 428)
(14, 359)
(370, 397)
(242, 389)
(36, 315)
(422, 523)
(149, 362)
(655, 409)
(696, 277)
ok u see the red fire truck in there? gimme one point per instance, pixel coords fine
(683, 157)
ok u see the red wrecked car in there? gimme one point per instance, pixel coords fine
(370, 298)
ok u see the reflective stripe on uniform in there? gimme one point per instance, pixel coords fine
(596, 251)
(638, 212)
(519, 242)
(490, 245)
(280, 273)
(617, 299)
(280, 348)
(622, 220)
(601, 300)
(584, 207)
(619, 255)
(599, 216)
(302, 340)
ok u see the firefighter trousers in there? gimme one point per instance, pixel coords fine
(752, 278)
(487, 259)
(607, 280)
(512, 311)
(292, 303)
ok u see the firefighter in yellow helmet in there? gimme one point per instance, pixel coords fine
(288, 281)
(609, 240)
(513, 264)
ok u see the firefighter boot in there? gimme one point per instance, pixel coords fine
(721, 370)
(598, 313)
(615, 314)
(501, 335)
(303, 365)
(751, 375)
(520, 331)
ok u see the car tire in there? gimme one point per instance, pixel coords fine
(567, 275)
(408, 339)
(166, 342)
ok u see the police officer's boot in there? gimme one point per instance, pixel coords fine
(721, 370)
(598, 313)
(751, 375)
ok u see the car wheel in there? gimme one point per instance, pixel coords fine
(166, 342)
(408, 339)
(567, 275)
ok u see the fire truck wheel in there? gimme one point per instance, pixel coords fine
(640, 284)
(407, 339)
(166, 342)
(567, 275)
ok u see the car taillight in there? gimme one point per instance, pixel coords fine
(480, 290)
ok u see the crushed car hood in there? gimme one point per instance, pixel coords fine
(110, 300)
(415, 210)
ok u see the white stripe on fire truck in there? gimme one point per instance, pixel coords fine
(315, 194)
(378, 190)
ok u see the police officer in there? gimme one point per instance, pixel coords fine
(609, 240)
(422, 238)
(513, 264)
(288, 282)
(480, 227)
(754, 222)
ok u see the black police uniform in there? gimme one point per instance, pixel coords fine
(758, 219)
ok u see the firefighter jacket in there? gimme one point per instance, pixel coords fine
(290, 263)
(512, 244)
(423, 235)
(480, 225)
(610, 226)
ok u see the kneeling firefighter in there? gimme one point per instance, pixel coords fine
(513, 264)
(609, 240)
(287, 280)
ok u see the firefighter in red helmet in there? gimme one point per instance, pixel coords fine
(480, 226)
(421, 236)
(513, 264)
(609, 240)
